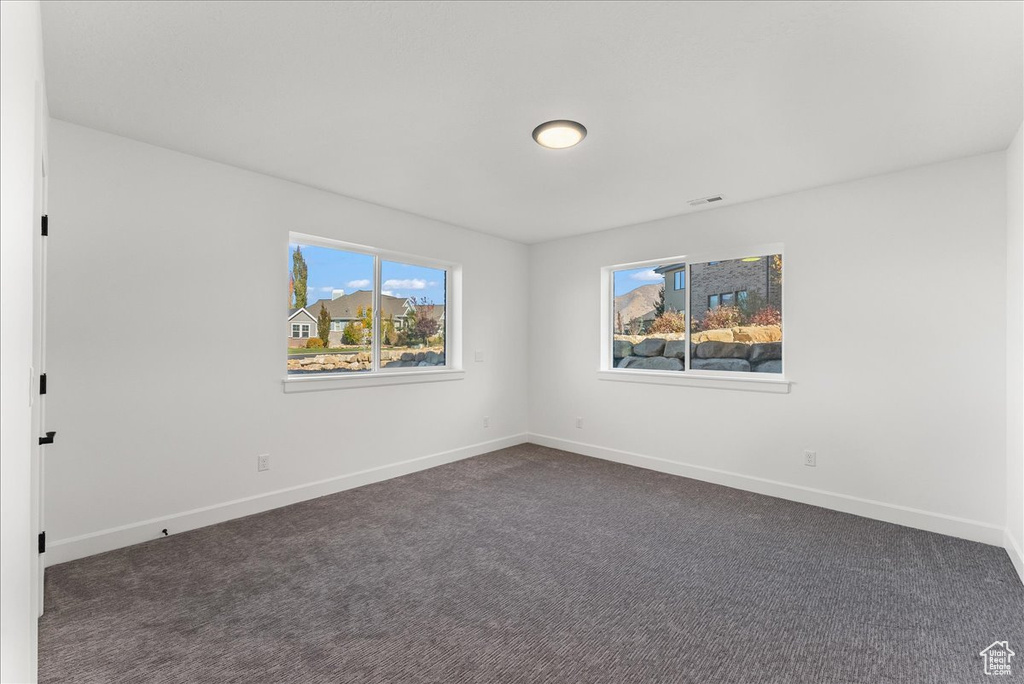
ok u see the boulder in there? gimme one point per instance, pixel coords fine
(408, 356)
(767, 351)
(675, 349)
(393, 364)
(431, 358)
(770, 366)
(621, 349)
(422, 363)
(652, 346)
(657, 363)
(719, 335)
(740, 365)
(757, 333)
(420, 356)
(625, 363)
(722, 350)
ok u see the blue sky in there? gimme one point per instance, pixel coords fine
(331, 269)
(630, 279)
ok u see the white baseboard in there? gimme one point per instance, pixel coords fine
(973, 530)
(1015, 554)
(63, 550)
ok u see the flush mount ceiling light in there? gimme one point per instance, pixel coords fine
(559, 134)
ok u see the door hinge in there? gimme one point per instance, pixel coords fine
(46, 227)
(42, 542)
(42, 383)
(48, 439)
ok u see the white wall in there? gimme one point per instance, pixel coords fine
(166, 412)
(22, 139)
(896, 339)
(1014, 352)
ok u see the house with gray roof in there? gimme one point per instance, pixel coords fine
(345, 308)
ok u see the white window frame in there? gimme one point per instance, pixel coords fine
(755, 382)
(378, 375)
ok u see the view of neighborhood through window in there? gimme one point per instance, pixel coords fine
(332, 326)
(733, 309)
(412, 309)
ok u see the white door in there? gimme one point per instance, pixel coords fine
(38, 387)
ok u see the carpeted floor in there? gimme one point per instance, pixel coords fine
(535, 565)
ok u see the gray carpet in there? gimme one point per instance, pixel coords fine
(535, 565)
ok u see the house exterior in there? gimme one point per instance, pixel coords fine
(344, 308)
(718, 283)
(301, 326)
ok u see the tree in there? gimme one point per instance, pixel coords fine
(323, 326)
(299, 275)
(423, 324)
(659, 306)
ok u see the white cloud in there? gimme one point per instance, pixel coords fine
(407, 284)
(327, 289)
(648, 275)
(358, 284)
(389, 293)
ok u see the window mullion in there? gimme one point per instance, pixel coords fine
(686, 318)
(376, 318)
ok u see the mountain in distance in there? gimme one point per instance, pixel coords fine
(638, 303)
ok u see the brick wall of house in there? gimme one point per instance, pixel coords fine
(726, 276)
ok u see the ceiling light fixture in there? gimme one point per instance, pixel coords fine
(559, 134)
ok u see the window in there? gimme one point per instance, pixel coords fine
(728, 317)
(374, 314)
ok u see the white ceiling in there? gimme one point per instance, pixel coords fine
(429, 106)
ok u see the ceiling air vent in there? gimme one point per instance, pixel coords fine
(704, 200)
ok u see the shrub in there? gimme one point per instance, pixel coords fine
(314, 343)
(353, 333)
(669, 322)
(769, 315)
(721, 317)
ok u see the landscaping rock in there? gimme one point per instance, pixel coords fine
(422, 363)
(757, 333)
(431, 358)
(420, 356)
(626, 362)
(771, 366)
(720, 364)
(767, 351)
(675, 349)
(408, 356)
(722, 350)
(652, 346)
(657, 363)
(717, 335)
(621, 349)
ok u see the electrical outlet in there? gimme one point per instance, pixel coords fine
(579, 423)
(811, 458)
(263, 462)
(487, 421)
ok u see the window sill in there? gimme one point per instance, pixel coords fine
(338, 381)
(697, 379)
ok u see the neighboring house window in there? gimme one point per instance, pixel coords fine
(736, 331)
(680, 282)
(384, 314)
